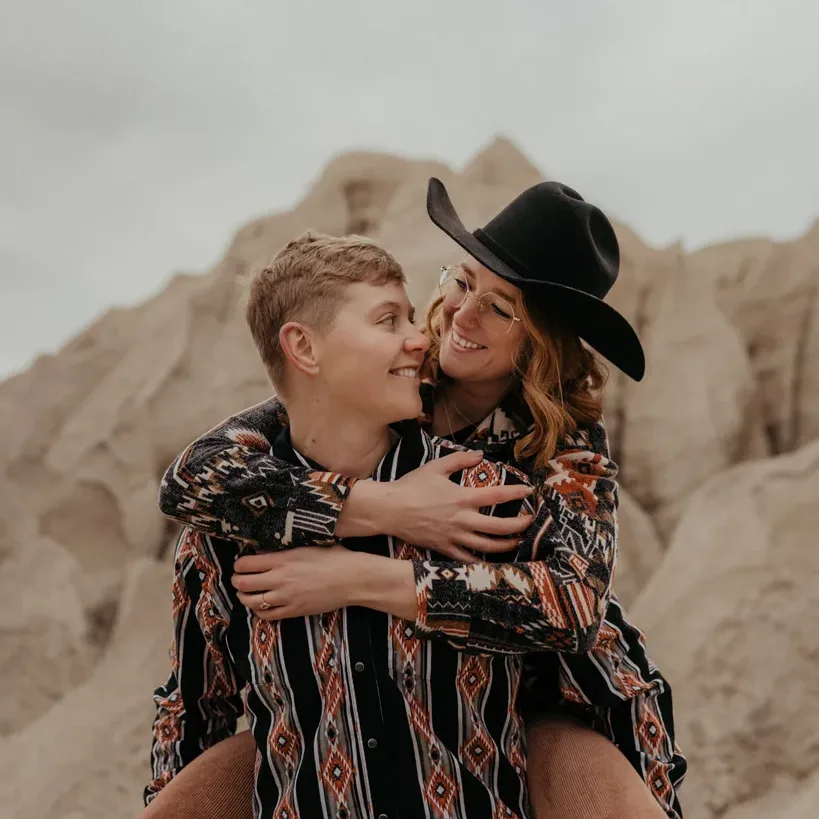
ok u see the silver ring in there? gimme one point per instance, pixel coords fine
(264, 604)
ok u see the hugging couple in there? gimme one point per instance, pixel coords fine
(400, 569)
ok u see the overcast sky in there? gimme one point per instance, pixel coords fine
(136, 137)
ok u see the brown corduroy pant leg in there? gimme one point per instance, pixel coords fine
(216, 785)
(574, 773)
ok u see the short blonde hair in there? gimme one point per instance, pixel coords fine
(306, 282)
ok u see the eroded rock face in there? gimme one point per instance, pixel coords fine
(806, 424)
(730, 615)
(95, 742)
(643, 273)
(639, 548)
(769, 292)
(684, 421)
(47, 646)
(732, 340)
(805, 804)
(501, 165)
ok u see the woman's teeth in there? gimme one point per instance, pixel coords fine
(465, 344)
(405, 372)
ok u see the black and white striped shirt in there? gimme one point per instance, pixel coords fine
(354, 712)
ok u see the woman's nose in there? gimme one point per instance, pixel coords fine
(417, 341)
(467, 312)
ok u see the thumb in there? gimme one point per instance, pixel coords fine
(458, 461)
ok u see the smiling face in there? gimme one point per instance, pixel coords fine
(473, 348)
(370, 356)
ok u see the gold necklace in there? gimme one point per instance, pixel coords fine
(448, 419)
(463, 417)
(454, 406)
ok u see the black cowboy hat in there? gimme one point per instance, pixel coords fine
(558, 248)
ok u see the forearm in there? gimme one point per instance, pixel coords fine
(174, 743)
(227, 483)
(505, 608)
(252, 506)
(366, 510)
(180, 735)
(489, 608)
(200, 703)
(473, 623)
(383, 584)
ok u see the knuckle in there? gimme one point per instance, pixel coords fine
(463, 500)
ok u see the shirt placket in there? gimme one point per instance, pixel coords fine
(373, 711)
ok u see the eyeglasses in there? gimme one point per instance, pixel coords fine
(495, 313)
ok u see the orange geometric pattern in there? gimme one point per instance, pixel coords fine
(441, 791)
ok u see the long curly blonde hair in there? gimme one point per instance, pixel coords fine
(559, 378)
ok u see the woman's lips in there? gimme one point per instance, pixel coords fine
(462, 344)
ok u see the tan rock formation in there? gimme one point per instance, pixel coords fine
(46, 646)
(730, 616)
(769, 292)
(639, 550)
(732, 338)
(806, 803)
(94, 744)
(806, 424)
(643, 270)
(501, 164)
(684, 421)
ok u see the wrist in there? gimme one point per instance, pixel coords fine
(361, 515)
(384, 584)
(389, 509)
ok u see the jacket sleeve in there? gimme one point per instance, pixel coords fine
(199, 704)
(555, 595)
(228, 484)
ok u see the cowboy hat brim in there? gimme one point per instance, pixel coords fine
(596, 322)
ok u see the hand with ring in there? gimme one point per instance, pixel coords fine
(298, 582)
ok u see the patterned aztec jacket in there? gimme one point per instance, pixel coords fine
(231, 485)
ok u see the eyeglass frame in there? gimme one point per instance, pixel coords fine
(470, 292)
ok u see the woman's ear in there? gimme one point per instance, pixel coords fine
(299, 346)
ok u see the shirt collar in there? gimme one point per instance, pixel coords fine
(412, 440)
(510, 420)
(282, 448)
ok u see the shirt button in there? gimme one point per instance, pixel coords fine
(382, 816)
(359, 667)
(372, 743)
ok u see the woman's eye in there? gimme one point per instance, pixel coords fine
(461, 284)
(390, 320)
(502, 313)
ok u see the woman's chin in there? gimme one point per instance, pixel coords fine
(454, 366)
